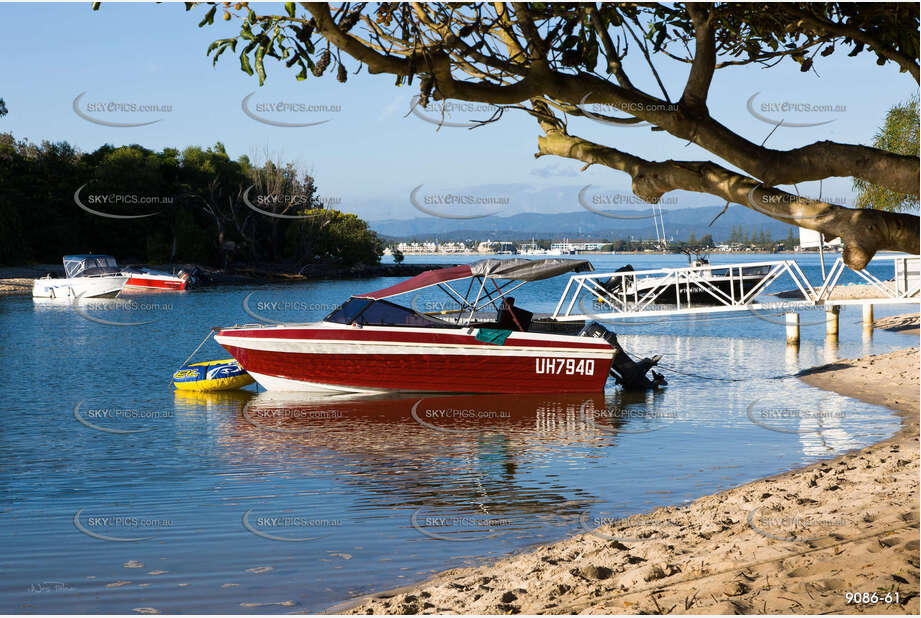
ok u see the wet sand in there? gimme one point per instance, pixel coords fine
(795, 543)
(906, 323)
(847, 291)
(15, 286)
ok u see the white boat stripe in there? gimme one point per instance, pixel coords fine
(320, 346)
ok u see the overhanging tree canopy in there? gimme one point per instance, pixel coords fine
(549, 59)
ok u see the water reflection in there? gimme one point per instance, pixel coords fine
(824, 432)
(458, 460)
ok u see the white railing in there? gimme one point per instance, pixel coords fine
(904, 285)
(724, 287)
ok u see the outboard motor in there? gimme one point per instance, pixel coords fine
(613, 284)
(627, 372)
(193, 278)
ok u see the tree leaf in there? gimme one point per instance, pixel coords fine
(244, 63)
(209, 17)
(260, 68)
(218, 54)
(289, 7)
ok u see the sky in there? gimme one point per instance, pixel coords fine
(369, 153)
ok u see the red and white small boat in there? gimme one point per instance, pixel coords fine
(155, 280)
(370, 344)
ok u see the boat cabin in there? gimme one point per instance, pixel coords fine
(90, 265)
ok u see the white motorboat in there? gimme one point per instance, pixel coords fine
(86, 276)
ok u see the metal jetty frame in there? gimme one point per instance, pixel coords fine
(627, 301)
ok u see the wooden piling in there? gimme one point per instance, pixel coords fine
(792, 328)
(831, 321)
(868, 315)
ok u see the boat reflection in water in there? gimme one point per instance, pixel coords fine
(526, 419)
(459, 467)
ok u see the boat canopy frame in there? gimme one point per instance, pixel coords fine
(90, 265)
(513, 273)
(475, 305)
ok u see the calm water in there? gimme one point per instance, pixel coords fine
(237, 502)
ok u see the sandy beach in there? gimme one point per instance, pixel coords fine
(798, 542)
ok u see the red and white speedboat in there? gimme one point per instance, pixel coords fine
(144, 278)
(370, 344)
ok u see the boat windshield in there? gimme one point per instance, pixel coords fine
(88, 265)
(369, 312)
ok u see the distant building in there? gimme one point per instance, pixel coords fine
(453, 247)
(432, 247)
(809, 239)
(567, 246)
(501, 247)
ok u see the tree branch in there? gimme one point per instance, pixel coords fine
(863, 231)
(774, 167)
(698, 84)
(906, 62)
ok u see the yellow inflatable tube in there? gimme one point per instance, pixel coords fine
(219, 375)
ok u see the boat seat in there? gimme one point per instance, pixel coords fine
(511, 317)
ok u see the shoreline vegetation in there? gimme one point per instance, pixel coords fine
(17, 280)
(844, 525)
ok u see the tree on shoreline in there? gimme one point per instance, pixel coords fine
(899, 134)
(551, 59)
(195, 205)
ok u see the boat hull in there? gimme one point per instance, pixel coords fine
(79, 287)
(155, 282)
(381, 359)
(698, 294)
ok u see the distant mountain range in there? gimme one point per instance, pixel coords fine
(582, 224)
